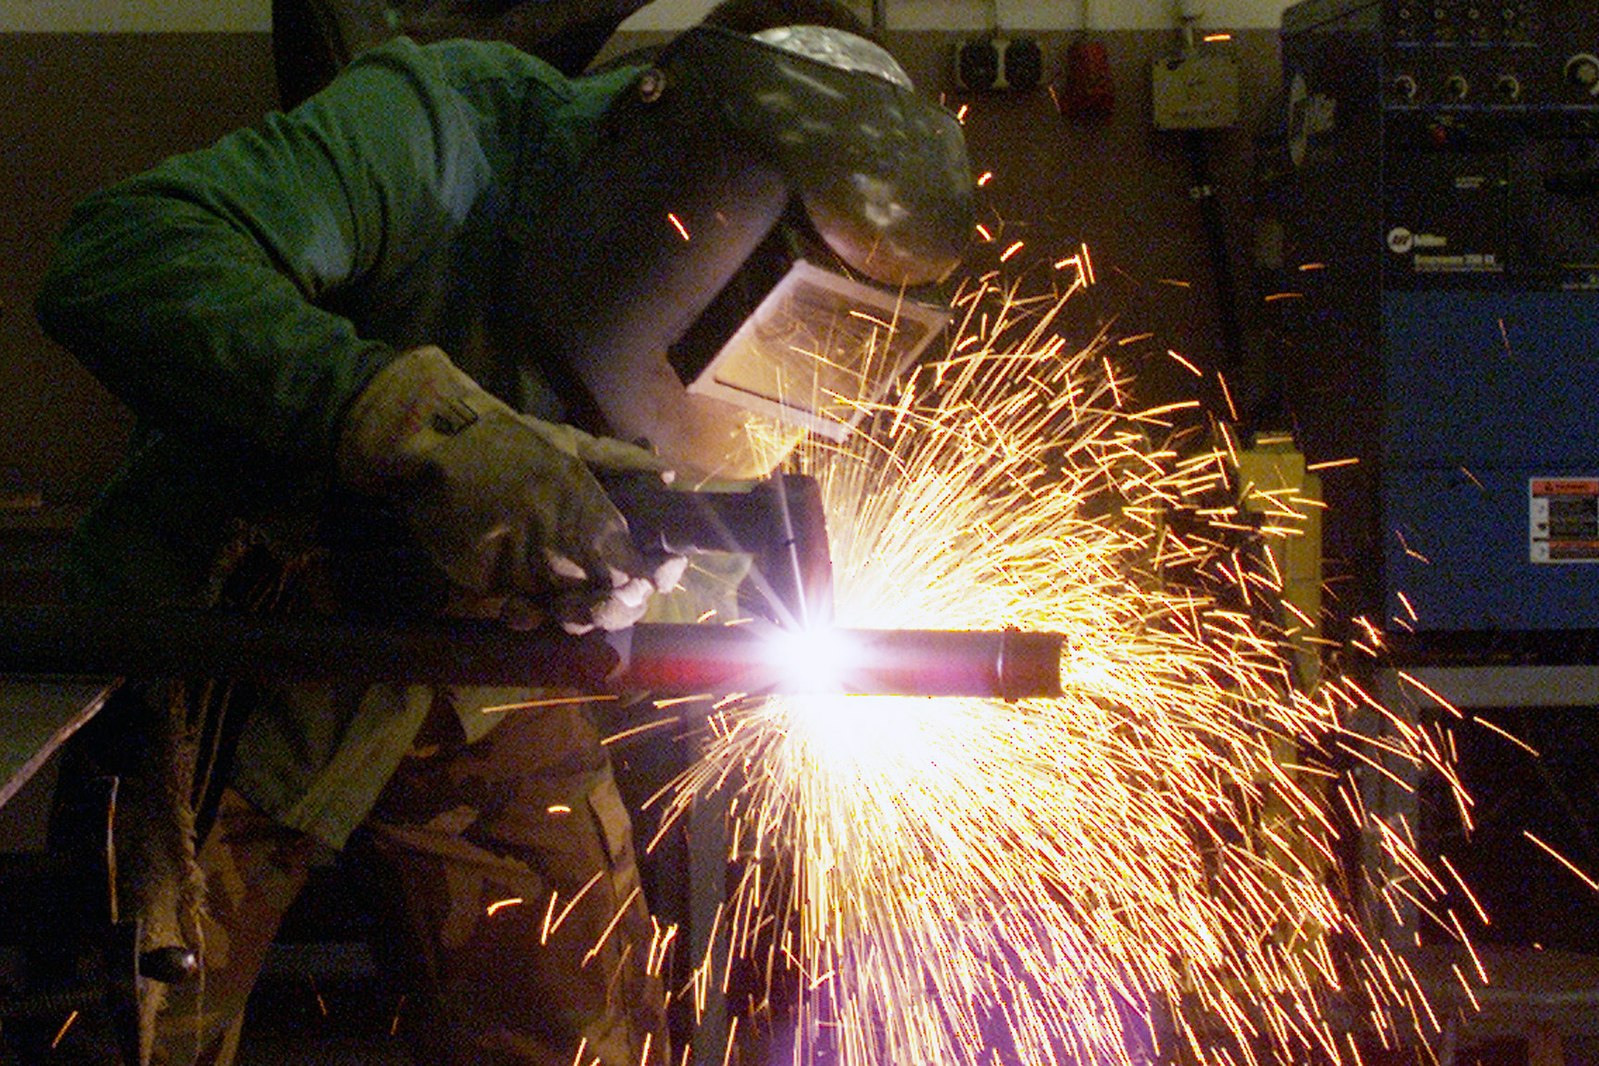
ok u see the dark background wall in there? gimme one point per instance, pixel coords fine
(80, 111)
(86, 109)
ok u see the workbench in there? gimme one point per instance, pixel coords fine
(37, 715)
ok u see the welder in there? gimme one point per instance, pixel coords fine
(367, 342)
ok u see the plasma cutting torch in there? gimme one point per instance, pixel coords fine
(779, 522)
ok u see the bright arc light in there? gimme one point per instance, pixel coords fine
(853, 737)
(813, 660)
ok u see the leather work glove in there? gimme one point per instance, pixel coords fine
(505, 504)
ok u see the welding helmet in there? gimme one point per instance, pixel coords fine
(749, 251)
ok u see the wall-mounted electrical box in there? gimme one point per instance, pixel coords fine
(1196, 91)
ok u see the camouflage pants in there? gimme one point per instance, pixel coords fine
(525, 935)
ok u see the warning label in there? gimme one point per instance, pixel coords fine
(1563, 519)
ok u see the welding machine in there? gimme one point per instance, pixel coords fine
(1448, 182)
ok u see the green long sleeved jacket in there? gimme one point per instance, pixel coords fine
(239, 297)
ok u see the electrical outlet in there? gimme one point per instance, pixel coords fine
(1197, 91)
(999, 64)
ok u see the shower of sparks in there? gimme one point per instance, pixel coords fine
(1144, 866)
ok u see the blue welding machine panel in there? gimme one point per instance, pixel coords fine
(1489, 394)
(1492, 379)
(1461, 548)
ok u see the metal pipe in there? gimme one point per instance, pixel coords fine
(663, 659)
(191, 643)
(1004, 664)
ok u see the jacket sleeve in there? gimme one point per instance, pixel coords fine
(198, 292)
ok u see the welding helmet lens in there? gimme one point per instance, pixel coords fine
(713, 277)
(838, 48)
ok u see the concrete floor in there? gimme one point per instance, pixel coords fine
(318, 1004)
(324, 1004)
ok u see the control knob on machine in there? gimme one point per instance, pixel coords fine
(1456, 87)
(1508, 87)
(1582, 70)
(1403, 88)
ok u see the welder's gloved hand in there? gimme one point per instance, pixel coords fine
(506, 505)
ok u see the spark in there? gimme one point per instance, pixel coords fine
(1563, 861)
(544, 702)
(551, 926)
(677, 224)
(647, 727)
(1416, 683)
(873, 319)
(500, 904)
(1471, 951)
(1465, 890)
(1410, 552)
(610, 927)
(675, 701)
(1227, 395)
(1185, 364)
(62, 1032)
(1492, 727)
(1466, 985)
(660, 947)
(1147, 859)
